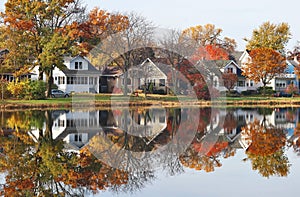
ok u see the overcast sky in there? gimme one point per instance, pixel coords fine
(236, 18)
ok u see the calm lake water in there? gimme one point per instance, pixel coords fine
(150, 152)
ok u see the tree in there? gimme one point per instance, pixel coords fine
(37, 25)
(229, 80)
(175, 49)
(42, 32)
(265, 64)
(210, 52)
(121, 48)
(266, 150)
(209, 35)
(270, 35)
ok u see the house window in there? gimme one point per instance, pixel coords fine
(215, 83)
(241, 83)
(61, 123)
(82, 80)
(251, 83)
(78, 65)
(230, 70)
(162, 82)
(78, 137)
(61, 80)
(91, 81)
(161, 119)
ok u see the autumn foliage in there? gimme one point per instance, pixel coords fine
(210, 52)
(265, 64)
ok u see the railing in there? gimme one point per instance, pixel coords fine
(287, 75)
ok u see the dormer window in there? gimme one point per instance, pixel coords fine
(230, 70)
(78, 65)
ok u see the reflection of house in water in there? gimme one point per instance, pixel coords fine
(140, 123)
(78, 127)
(233, 121)
(75, 128)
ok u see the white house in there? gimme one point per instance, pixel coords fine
(145, 74)
(279, 83)
(79, 75)
(213, 69)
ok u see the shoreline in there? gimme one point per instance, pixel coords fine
(226, 103)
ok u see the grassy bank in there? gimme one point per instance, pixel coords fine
(105, 100)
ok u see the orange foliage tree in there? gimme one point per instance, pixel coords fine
(209, 35)
(266, 150)
(210, 52)
(265, 64)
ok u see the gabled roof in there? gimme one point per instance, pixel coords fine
(155, 70)
(245, 53)
(293, 62)
(220, 64)
(112, 71)
(91, 69)
(235, 56)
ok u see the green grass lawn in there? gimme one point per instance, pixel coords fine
(98, 98)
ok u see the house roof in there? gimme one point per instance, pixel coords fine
(293, 62)
(235, 56)
(112, 71)
(91, 69)
(148, 67)
(81, 72)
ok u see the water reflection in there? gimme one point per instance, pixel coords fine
(53, 152)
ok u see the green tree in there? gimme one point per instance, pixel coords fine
(270, 35)
(38, 25)
(41, 32)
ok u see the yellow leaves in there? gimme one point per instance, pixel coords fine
(269, 35)
(204, 35)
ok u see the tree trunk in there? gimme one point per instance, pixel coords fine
(125, 92)
(41, 73)
(49, 82)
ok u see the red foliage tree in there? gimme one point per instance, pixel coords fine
(210, 52)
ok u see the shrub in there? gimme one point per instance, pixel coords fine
(27, 89)
(248, 92)
(291, 89)
(36, 90)
(4, 93)
(18, 89)
(269, 90)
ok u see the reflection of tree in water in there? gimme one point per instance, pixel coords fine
(194, 158)
(294, 141)
(207, 148)
(266, 151)
(42, 167)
